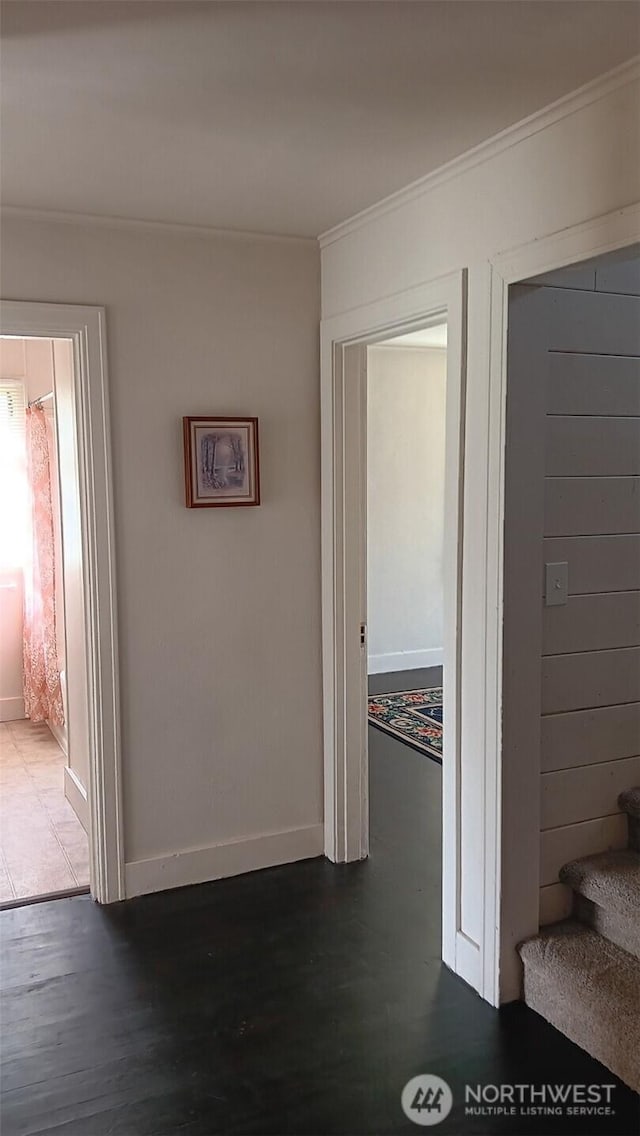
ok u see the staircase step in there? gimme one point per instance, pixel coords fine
(629, 802)
(607, 888)
(611, 879)
(589, 989)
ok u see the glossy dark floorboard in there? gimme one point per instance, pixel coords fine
(294, 1000)
(420, 679)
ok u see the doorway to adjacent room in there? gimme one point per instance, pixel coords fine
(60, 810)
(405, 455)
(354, 632)
(44, 848)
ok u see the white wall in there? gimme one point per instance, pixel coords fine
(39, 367)
(405, 506)
(578, 163)
(219, 610)
(67, 505)
(11, 621)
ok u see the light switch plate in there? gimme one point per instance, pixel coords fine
(556, 584)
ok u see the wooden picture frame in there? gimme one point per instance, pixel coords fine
(221, 461)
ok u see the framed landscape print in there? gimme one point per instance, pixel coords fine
(221, 465)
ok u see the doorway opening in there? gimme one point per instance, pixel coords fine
(434, 310)
(405, 450)
(44, 847)
(61, 809)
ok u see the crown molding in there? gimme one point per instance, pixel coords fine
(168, 228)
(591, 92)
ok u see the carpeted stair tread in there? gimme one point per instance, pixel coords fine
(582, 951)
(610, 879)
(629, 802)
(590, 990)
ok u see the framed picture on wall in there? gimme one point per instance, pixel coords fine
(221, 465)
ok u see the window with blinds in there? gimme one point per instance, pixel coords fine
(14, 509)
(13, 409)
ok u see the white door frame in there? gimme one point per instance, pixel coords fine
(344, 576)
(85, 327)
(509, 854)
(512, 807)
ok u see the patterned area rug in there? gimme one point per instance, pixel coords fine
(412, 716)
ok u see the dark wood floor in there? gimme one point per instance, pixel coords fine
(294, 1000)
(419, 679)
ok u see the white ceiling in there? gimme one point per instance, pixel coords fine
(427, 337)
(275, 117)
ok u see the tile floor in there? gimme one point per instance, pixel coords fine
(43, 846)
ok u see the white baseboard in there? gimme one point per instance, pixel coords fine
(60, 734)
(11, 709)
(405, 660)
(76, 795)
(217, 861)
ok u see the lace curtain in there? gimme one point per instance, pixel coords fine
(42, 690)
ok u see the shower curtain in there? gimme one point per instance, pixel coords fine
(42, 690)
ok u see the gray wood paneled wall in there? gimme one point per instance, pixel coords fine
(590, 685)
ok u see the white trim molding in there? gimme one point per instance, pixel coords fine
(76, 795)
(344, 339)
(218, 861)
(569, 104)
(166, 228)
(405, 660)
(11, 708)
(85, 327)
(60, 734)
